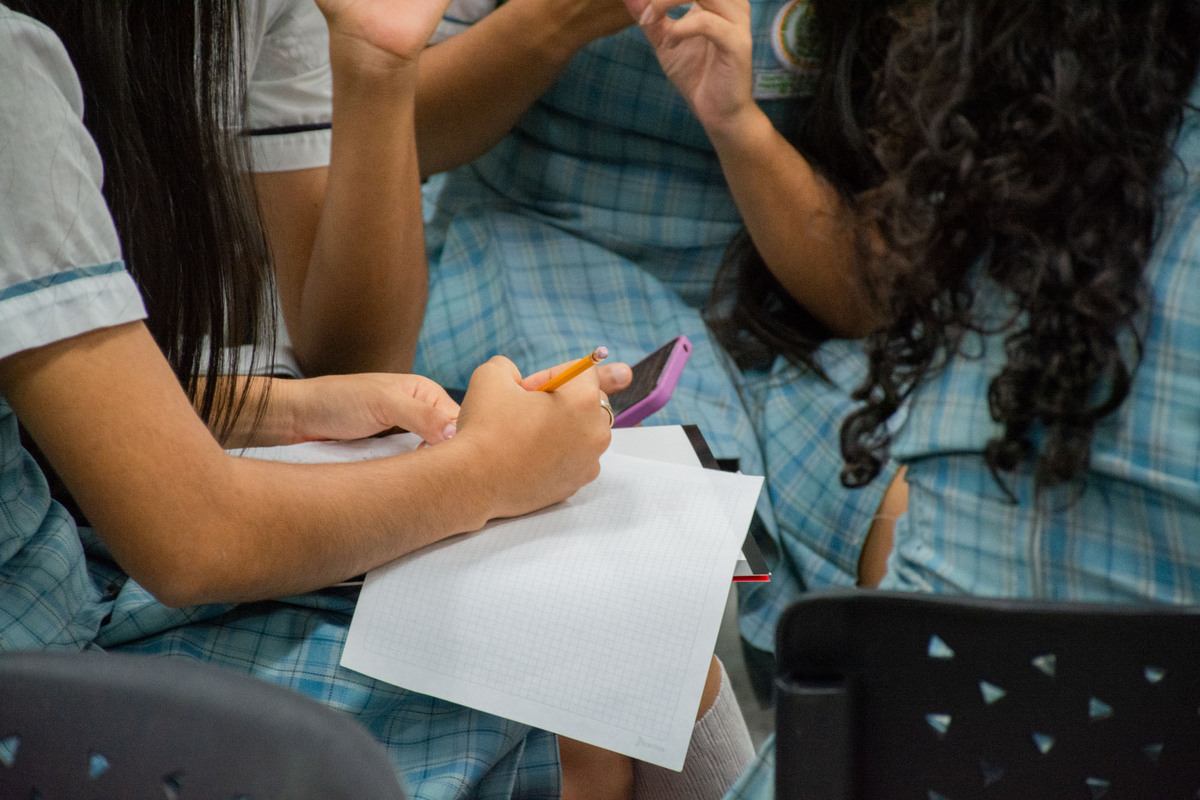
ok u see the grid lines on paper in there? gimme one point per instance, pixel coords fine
(579, 606)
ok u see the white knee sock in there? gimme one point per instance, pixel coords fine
(719, 751)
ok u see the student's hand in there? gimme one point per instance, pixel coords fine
(541, 447)
(706, 53)
(387, 28)
(612, 377)
(354, 406)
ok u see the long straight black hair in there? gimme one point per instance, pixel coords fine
(163, 84)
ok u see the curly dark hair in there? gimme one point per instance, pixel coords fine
(1019, 143)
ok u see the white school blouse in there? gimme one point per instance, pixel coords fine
(61, 272)
(289, 103)
(61, 275)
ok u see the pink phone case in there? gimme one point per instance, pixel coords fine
(657, 388)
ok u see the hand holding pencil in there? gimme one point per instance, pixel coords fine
(613, 377)
(536, 447)
(576, 368)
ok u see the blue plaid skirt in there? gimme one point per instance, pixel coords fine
(442, 751)
(819, 526)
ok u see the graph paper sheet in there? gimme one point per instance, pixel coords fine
(333, 452)
(594, 619)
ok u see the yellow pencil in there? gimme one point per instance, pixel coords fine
(578, 368)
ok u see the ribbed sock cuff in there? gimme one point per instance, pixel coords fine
(720, 749)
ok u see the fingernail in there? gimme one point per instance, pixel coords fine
(647, 15)
(449, 431)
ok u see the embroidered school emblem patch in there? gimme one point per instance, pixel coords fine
(796, 55)
(792, 37)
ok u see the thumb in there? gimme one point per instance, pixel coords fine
(614, 377)
(432, 423)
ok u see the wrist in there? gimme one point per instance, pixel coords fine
(292, 399)
(746, 130)
(356, 62)
(479, 495)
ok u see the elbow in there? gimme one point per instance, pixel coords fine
(170, 583)
(181, 580)
(851, 310)
(191, 567)
(313, 358)
(842, 306)
(171, 593)
(183, 531)
(862, 313)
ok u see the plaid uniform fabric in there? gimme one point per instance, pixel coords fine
(442, 750)
(820, 526)
(47, 601)
(60, 276)
(1131, 532)
(602, 219)
(60, 590)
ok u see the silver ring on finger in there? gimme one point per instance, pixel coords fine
(607, 406)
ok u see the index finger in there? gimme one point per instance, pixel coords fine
(430, 391)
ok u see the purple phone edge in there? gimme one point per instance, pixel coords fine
(663, 389)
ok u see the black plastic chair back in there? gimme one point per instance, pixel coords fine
(891, 695)
(98, 725)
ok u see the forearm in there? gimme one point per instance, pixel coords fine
(195, 525)
(242, 530)
(474, 86)
(362, 298)
(798, 221)
(289, 528)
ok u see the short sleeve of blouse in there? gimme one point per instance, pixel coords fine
(289, 104)
(61, 272)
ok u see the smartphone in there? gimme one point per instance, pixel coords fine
(654, 379)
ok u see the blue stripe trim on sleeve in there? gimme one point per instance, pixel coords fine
(37, 284)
